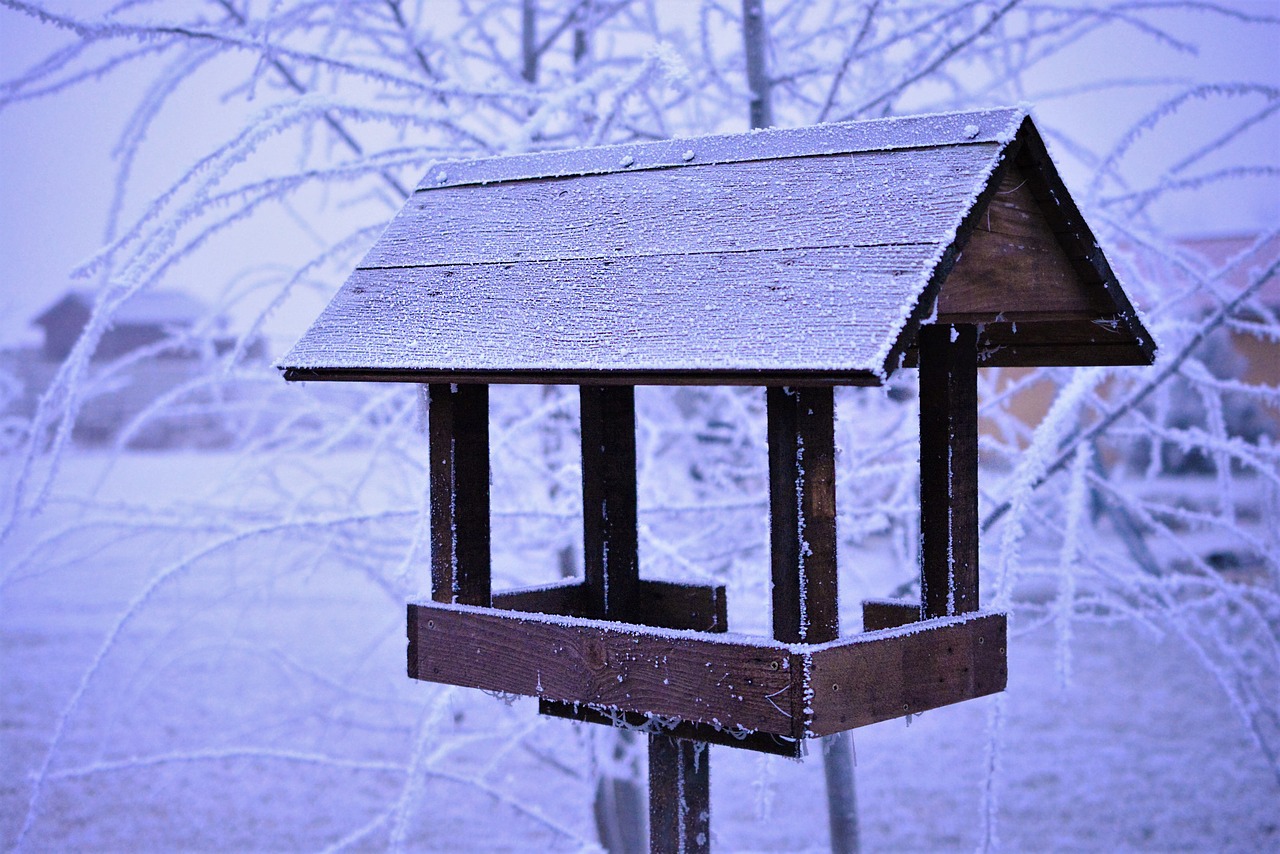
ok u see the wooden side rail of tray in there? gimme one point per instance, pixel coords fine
(752, 691)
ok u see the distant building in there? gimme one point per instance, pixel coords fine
(147, 318)
(118, 394)
(1243, 351)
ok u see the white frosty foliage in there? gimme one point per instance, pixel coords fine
(1149, 496)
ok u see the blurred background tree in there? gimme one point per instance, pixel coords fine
(260, 147)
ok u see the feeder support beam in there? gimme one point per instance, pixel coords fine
(802, 513)
(679, 795)
(458, 436)
(609, 501)
(948, 470)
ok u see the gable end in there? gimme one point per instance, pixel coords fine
(1033, 278)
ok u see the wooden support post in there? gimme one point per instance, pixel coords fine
(679, 795)
(609, 501)
(458, 435)
(611, 563)
(802, 513)
(948, 470)
(802, 543)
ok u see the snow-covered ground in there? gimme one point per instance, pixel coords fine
(255, 699)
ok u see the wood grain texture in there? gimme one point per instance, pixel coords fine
(1033, 343)
(458, 435)
(1104, 340)
(672, 605)
(802, 513)
(1014, 266)
(882, 614)
(698, 677)
(737, 685)
(610, 560)
(563, 598)
(664, 315)
(948, 470)
(950, 129)
(664, 604)
(882, 675)
(867, 199)
(1065, 355)
(679, 796)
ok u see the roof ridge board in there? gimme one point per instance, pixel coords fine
(975, 127)
(507, 262)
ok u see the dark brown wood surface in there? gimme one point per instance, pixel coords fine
(731, 682)
(458, 435)
(1086, 333)
(882, 614)
(679, 796)
(585, 375)
(563, 598)
(736, 686)
(802, 513)
(1103, 340)
(610, 560)
(879, 676)
(1075, 236)
(674, 605)
(948, 470)
(1014, 267)
(664, 604)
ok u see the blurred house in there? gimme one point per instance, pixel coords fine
(1245, 350)
(1257, 355)
(148, 318)
(154, 372)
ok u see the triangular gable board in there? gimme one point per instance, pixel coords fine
(786, 256)
(1014, 267)
(1033, 277)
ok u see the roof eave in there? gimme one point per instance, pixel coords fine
(583, 376)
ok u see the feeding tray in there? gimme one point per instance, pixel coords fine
(691, 683)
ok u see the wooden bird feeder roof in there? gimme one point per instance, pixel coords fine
(769, 257)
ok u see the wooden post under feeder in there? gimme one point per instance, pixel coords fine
(796, 260)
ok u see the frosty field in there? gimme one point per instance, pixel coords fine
(255, 699)
(202, 632)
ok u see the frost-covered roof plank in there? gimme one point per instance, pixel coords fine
(895, 134)
(868, 199)
(782, 256)
(721, 312)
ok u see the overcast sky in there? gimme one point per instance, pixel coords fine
(55, 165)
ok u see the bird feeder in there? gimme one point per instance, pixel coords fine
(795, 260)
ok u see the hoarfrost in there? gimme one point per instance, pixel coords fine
(323, 483)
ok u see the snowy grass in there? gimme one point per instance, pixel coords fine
(256, 700)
